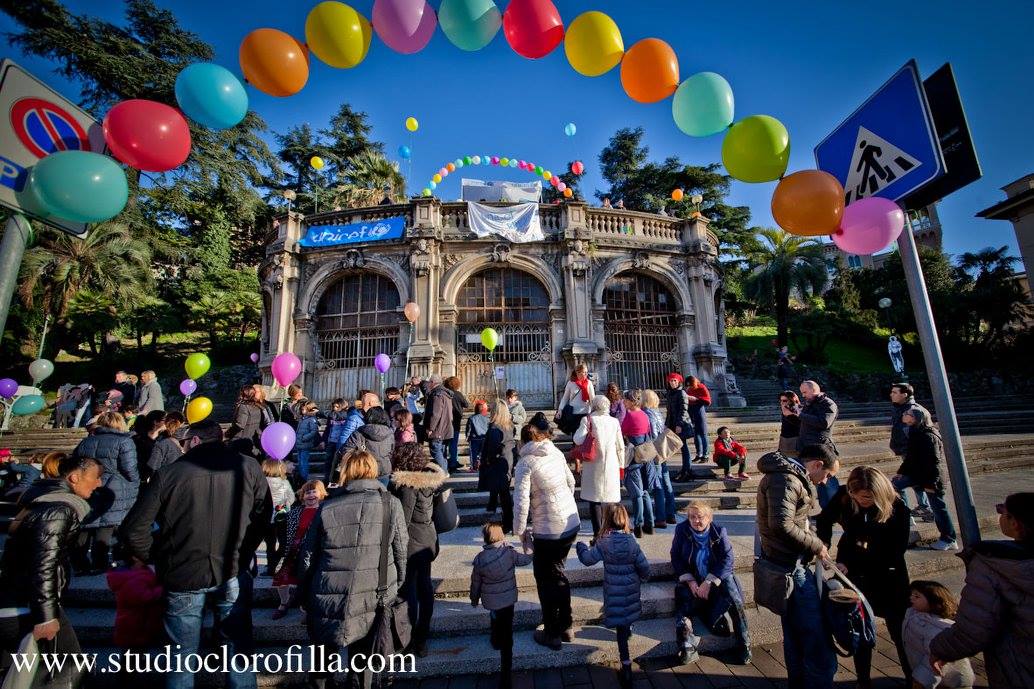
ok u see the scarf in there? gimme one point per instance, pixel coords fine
(703, 551)
(583, 385)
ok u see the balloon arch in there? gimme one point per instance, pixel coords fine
(577, 168)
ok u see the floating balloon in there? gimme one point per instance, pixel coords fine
(568, 193)
(197, 365)
(561, 186)
(869, 225)
(650, 71)
(489, 338)
(547, 175)
(198, 409)
(808, 203)
(147, 135)
(338, 34)
(8, 387)
(458, 162)
(756, 149)
(593, 44)
(468, 160)
(436, 178)
(254, 358)
(505, 162)
(188, 387)
(432, 185)
(80, 186)
(469, 24)
(554, 181)
(382, 362)
(425, 192)
(411, 124)
(274, 62)
(476, 160)
(40, 370)
(703, 104)
(412, 311)
(316, 162)
(677, 195)
(405, 153)
(286, 367)
(405, 26)
(533, 28)
(577, 167)
(570, 129)
(29, 404)
(278, 440)
(450, 167)
(513, 162)
(211, 95)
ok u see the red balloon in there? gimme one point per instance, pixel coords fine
(533, 28)
(577, 167)
(146, 135)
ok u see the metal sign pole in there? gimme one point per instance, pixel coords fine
(12, 249)
(956, 459)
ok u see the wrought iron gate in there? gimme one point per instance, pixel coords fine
(640, 332)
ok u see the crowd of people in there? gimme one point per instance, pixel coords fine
(174, 514)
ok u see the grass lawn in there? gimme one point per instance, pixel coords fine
(844, 355)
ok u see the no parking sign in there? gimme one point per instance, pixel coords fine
(36, 121)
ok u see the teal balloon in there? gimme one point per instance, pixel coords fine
(432, 185)
(469, 24)
(570, 129)
(458, 162)
(80, 186)
(30, 404)
(211, 95)
(703, 104)
(513, 162)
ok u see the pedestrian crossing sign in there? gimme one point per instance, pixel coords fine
(888, 147)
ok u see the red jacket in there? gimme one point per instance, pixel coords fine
(139, 606)
(701, 393)
(734, 454)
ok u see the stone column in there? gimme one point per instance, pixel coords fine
(425, 276)
(280, 274)
(581, 345)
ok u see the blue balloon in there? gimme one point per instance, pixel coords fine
(703, 104)
(458, 162)
(30, 404)
(211, 95)
(404, 152)
(570, 129)
(432, 185)
(513, 162)
(80, 186)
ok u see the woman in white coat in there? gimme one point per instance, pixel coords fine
(578, 393)
(601, 480)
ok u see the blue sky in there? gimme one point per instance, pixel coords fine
(807, 63)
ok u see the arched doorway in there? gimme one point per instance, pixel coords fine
(640, 330)
(357, 318)
(516, 305)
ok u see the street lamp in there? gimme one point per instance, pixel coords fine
(885, 303)
(290, 196)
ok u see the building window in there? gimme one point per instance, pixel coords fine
(854, 262)
(639, 326)
(502, 296)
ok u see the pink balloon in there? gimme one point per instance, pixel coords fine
(382, 362)
(561, 186)
(495, 160)
(869, 225)
(554, 180)
(443, 172)
(286, 367)
(278, 439)
(405, 26)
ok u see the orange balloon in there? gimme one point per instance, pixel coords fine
(650, 71)
(568, 193)
(412, 311)
(809, 203)
(677, 195)
(274, 62)
(450, 167)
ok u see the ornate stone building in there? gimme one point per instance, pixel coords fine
(631, 295)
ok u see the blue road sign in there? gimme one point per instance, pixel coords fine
(888, 147)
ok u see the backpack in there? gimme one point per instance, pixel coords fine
(848, 618)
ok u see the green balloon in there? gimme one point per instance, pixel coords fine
(489, 338)
(703, 104)
(426, 192)
(197, 365)
(80, 186)
(30, 404)
(466, 160)
(756, 149)
(470, 24)
(539, 170)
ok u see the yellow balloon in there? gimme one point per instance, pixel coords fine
(437, 179)
(547, 175)
(316, 162)
(198, 409)
(338, 34)
(593, 44)
(411, 124)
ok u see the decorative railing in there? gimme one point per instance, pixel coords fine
(351, 215)
(606, 221)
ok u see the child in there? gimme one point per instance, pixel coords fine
(298, 520)
(477, 429)
(404, 431)
(139, 605)
(517, 412)
(728, 452)
(933, 611)
(283, 497)
(307, 438)
(335, 424)
(494, 582)
(392, 400)
(624, 568)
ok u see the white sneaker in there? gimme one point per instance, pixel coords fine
(944, 545)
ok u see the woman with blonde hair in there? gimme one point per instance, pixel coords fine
(497, 462)
(872, 551)
(663, 493)
(575, 400)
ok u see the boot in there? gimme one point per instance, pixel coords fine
(638, 531)
(648, 528)
(625, 677)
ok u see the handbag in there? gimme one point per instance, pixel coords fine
(444, 512)
(848, 617)
(644, 453)
(24, 679)
(567, 422)
(588, 450)
(773, 584)
(668, 445)
(391, 627)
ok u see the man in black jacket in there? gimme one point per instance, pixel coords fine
(211, 507)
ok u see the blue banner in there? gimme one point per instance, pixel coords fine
(353, 233)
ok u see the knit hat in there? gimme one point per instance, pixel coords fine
(675, 376)
(5, 454)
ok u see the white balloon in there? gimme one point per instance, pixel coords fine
(40, 369)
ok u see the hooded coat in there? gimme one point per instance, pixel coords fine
(496, 460)
(139, 606)
(898, 429)
(493, 580)
(438, 414)
(785, 498)
(544, 489)
(379, 441)
(924, 453)
(625, 568)
(917, 631)
(116, 452)
(415, 491)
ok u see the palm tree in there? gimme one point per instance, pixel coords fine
(371, 170)
(782, 265)
(988, 262)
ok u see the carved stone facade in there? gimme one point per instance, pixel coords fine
(585, 251)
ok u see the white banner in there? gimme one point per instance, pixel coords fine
(513, 192)
(518, 223)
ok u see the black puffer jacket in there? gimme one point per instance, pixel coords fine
(34, 571)
(116, 452)
(678, 410)
(415, 490)
(817, 419)
(785, 497)
(924, 453)
(898, 429)
(337, 564)
(497, 457)
(379, 441)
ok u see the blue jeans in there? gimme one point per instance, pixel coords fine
(183, 618)
(941, 515)
(475, 451)
(642, 503)
(905, 482)
(454, 451)
(663, 495)
(303, 464)
(698, 413)
(437, 448)
(807, 651)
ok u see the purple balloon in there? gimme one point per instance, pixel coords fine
(188, 386)
(278, 440)
(382, 362)
(869, 225)
(254, 358)
(286, 367)
(405, 26)
(8, 386)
